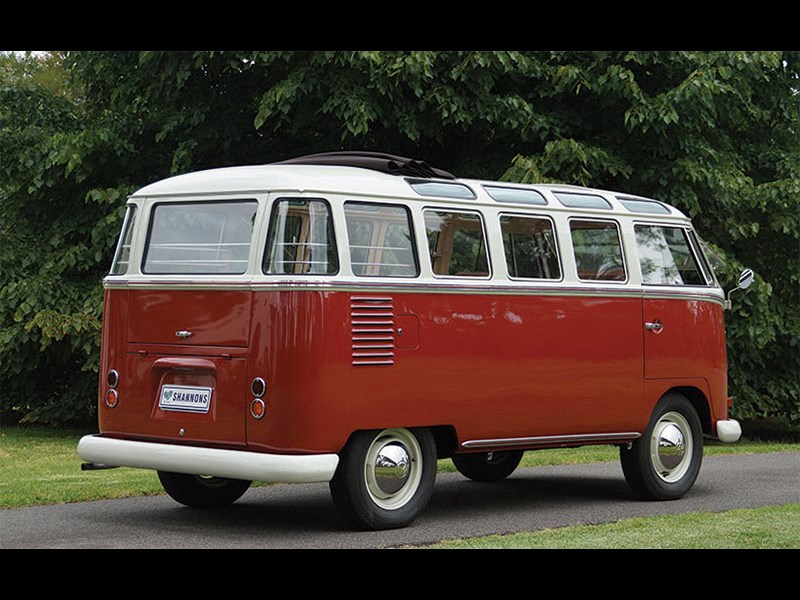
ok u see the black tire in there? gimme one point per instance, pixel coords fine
(487, 466)
(202, 492)
(664, 463)
(384, 478)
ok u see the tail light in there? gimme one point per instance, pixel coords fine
(257, 407)
(112, 396)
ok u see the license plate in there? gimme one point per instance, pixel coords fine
(187, 398)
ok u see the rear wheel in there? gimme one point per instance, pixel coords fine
(488, 466)
(664, 463)
(385, 478)
(202, 492)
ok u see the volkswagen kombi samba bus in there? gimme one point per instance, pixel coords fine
(353, 317)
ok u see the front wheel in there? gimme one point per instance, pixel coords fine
(487, 466)
(664, 463)
(385, 478)
(202, 492)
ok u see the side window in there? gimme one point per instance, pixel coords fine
(457, 243)
(598, 250)
(380, 239)
(122, 256)
(665, 257)
(530, 247)
(301, 239)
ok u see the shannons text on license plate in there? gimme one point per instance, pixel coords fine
(186, 398)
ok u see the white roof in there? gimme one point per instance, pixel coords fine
(259, 179)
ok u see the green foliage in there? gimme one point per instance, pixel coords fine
(714, 133)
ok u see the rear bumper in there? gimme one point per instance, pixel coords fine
(729, 431)
(193, 460)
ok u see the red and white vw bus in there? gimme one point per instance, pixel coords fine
(353, 317)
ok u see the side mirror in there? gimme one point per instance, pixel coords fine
(745, 281)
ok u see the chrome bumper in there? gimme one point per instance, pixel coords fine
(193, 460)
(729, 431)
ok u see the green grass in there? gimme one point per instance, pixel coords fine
(775, 527)
(40, 466)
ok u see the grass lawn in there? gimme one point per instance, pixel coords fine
(770, 527)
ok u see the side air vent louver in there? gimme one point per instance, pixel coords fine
(372, 326)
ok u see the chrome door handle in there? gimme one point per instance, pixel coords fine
(183, 334)
(655, 326)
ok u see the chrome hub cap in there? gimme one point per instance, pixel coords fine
(671, 447)
(392, 468)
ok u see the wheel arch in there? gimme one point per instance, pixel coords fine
(446, 440)
(699, 401)
(444, 436)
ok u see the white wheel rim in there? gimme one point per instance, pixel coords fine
(393, 468)
(671, 447)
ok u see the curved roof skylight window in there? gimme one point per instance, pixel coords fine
(512, 194)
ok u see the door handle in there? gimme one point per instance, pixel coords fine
(656, 326)
(183, 334)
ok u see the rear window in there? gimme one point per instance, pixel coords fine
(200, 238)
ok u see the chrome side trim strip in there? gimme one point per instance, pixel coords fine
(712, 295)
(547, 440)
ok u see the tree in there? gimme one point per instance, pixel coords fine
(714, 133)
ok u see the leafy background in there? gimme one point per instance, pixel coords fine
(713, 133)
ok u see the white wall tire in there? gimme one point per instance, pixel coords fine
(385, 478)
(664, 463)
